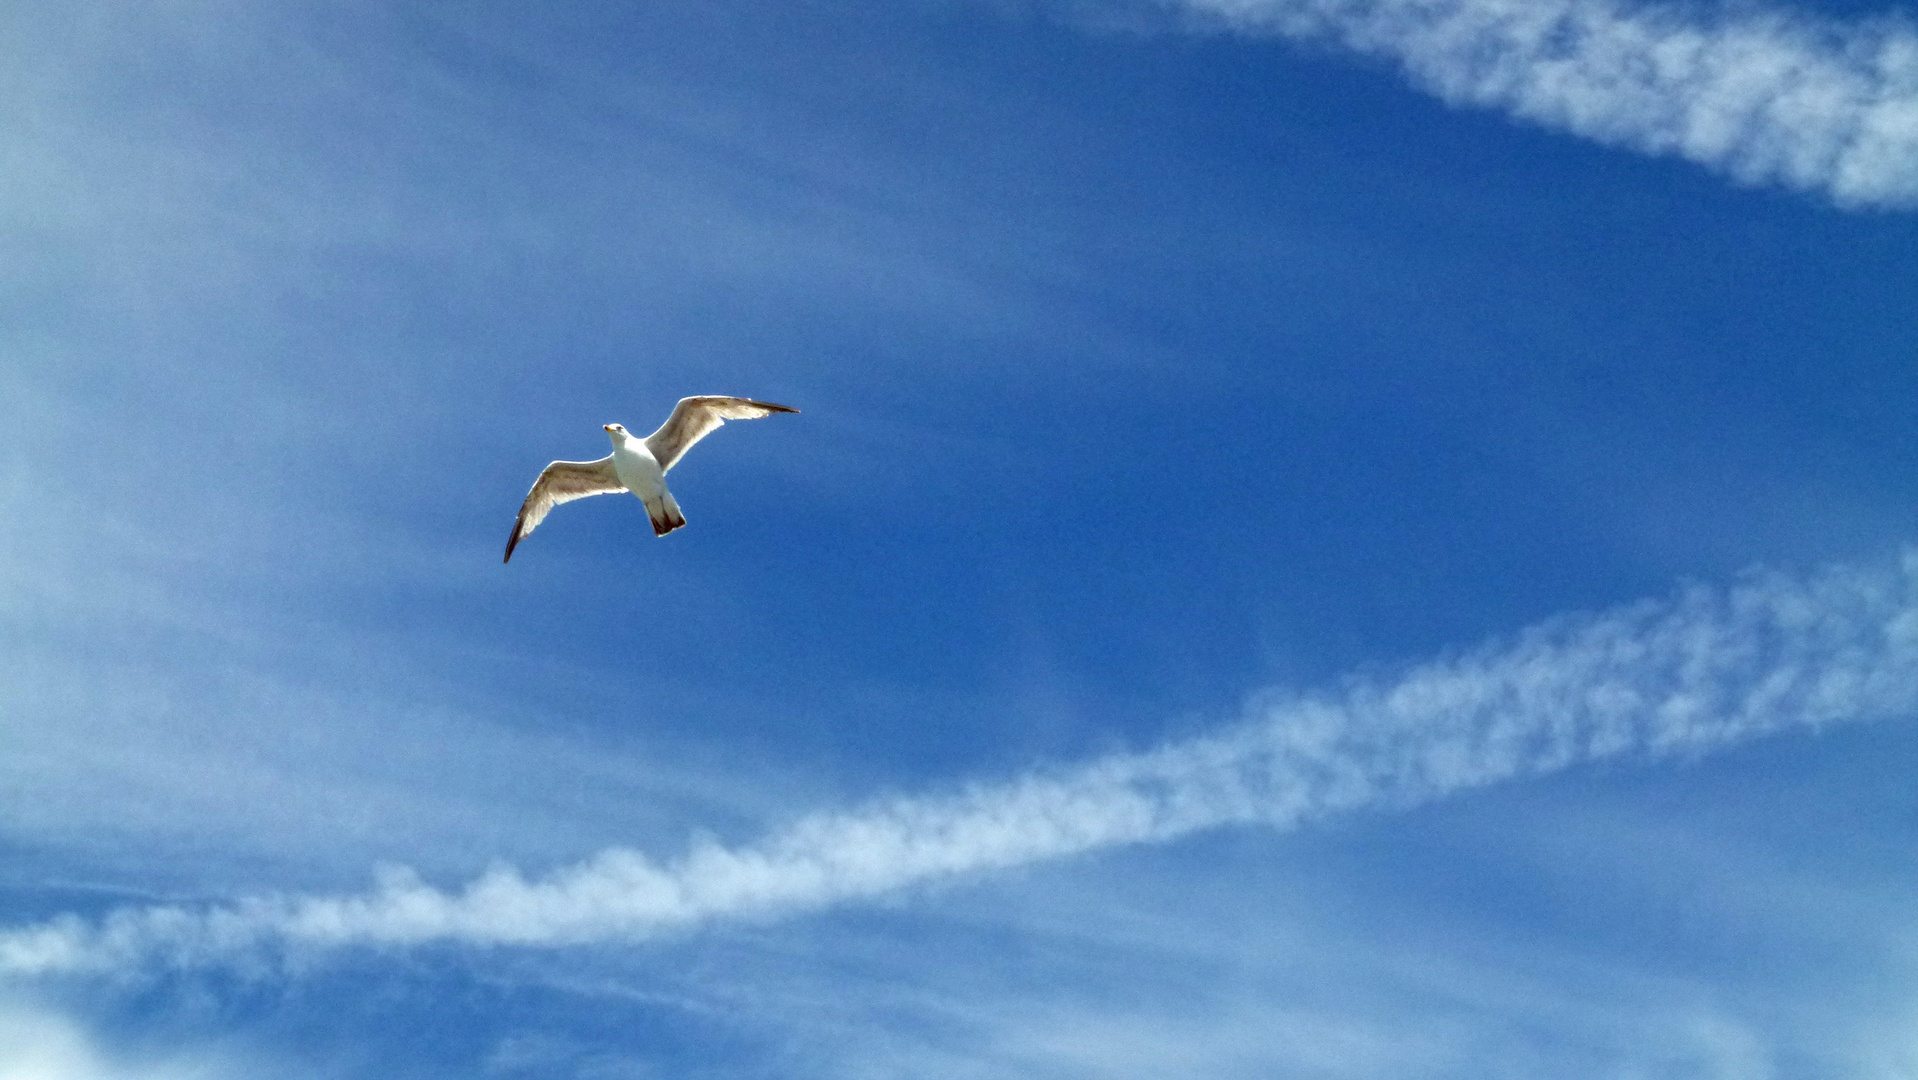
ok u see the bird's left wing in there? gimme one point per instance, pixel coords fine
(694, 418)
(561, 482)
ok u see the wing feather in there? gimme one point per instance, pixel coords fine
(694, 418)
(561, 482)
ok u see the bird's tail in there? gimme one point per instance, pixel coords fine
(665, 514)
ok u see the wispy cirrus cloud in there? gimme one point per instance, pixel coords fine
(1706, 669)
(1769, 97)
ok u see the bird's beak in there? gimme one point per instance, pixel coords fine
(608, 427)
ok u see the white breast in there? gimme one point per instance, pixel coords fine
(635, 467)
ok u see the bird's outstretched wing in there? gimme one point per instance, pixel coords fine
(561, 482)
(694, 418)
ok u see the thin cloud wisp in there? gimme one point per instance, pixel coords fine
(1706, 669)
(1764, 96)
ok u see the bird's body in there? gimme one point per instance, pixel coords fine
(639, 471)
(636, 465)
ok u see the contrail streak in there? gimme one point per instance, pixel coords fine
(1765, 96)
(1705, 669)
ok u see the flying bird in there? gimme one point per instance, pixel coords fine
(636, 465)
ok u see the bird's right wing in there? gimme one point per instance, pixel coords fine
(694, 418)
(562, 482)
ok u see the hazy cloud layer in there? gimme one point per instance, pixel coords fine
(1655, 679)
(1768, 97)
(39, 1045)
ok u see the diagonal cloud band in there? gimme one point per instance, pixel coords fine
(1708, 668)
(1767, 97)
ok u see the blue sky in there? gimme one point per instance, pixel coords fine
(1323, 541)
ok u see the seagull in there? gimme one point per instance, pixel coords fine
(636, 465)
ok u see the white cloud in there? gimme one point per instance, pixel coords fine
(37, 1045)
(1767, 97)
(1707, 669)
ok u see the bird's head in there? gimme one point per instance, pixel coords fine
(614, 430)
